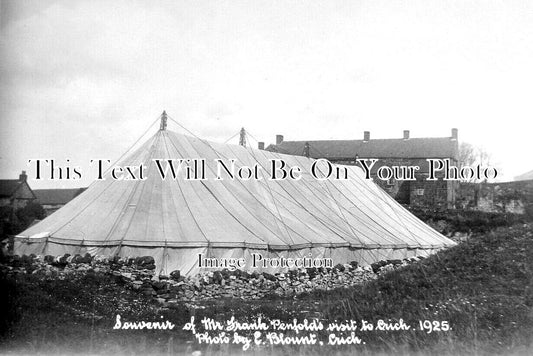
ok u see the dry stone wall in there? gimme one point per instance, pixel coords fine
(170, 290)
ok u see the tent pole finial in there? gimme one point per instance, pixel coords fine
(242, 139)
(163, 125)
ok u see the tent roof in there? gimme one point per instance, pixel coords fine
(265, 214)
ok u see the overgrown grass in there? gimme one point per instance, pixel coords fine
(483, 288)
(450, 221)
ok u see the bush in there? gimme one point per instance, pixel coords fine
(466, 221)
(14, 223)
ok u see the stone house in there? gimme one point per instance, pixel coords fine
(16, 193)
(405, 151)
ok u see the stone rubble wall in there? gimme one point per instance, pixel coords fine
(507, 197)
(139, 273)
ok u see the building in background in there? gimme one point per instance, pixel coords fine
(525, 176)
(16, 193)
(53, 199)
(405, 151)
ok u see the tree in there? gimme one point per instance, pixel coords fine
(14, 222)
(470, 155)
(30, 212)
(467, 154)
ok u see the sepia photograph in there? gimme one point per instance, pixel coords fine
(266, 177)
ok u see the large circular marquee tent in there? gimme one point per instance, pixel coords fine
(175, 220)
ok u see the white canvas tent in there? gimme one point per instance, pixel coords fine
(175, 220)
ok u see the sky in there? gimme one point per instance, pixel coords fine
(84, 79)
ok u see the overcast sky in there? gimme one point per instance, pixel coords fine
(84, 79)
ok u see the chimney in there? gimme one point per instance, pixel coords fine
(454, 134)
(261, 145)
(306, 149)
(367, 136)
(23, 177)
(405, 134)
(279, 139)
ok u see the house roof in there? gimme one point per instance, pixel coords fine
(525, 176)
(433, 147)
(9, 186)
(56, 196)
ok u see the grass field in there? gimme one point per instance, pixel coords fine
(483, 288)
